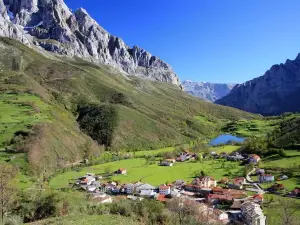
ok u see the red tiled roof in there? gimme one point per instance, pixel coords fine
(239, 180)
(255, 156)
(258, 196)
(296, 190)
(85, 180)
(220, 197)
(161, 198)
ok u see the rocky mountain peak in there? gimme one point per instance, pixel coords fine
(276, 92)
(35, 22)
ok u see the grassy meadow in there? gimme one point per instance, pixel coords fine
(251, 128)
(138, 170)
(19, 112)
(279, 166)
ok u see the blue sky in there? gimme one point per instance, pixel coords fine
(205, 40)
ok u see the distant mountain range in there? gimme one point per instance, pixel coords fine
(207, 91)
(274, 93)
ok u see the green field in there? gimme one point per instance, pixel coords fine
(154, 174)
(250, 128)
(18, 112)
(152, 152)
(292, 160)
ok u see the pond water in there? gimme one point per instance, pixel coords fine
(224, 139)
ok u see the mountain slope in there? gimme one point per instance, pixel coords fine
(51, 26)
(207, 91)
(276, 92)
(149, 114)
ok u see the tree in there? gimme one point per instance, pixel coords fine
(7, 174)
(184, 210)
(282, 153)
(287, 210)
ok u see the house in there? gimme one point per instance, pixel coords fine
(205, 182)
(184, 156)
(254, 158)
(223, 155)
(264, 178)
(164, 189)
(284, 177)
(166, 163)
(296, 192)
(237, 183)
(147, 193)
(213, 153)
(276, 187)
(236, 194)
(171, 160)
(216, 199)
(178, 184)
(260, 171)
(258, 198)
(116, 189)
(253, 214)
(129, 188)
(86, 180)
(140, 187)
(91, 188)
(121, 171)
(192, 188)
(161, 198)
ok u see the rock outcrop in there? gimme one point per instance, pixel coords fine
(274, 93)
(52, 26)
(207, 91)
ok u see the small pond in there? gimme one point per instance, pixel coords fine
(225, 139)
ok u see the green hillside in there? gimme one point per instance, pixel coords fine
(43, 101)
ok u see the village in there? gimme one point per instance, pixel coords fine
(222, 201)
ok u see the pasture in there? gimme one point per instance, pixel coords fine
(277, 163)
(18, 112)
(152, 152)
(138, 170)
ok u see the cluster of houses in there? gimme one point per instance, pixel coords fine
(236, 156)
(185, 156)
(203, 190)
(182, 157)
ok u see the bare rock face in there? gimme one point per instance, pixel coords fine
(51, 25)
(274, 93)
